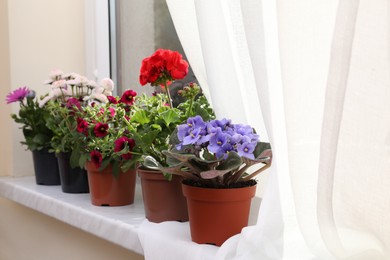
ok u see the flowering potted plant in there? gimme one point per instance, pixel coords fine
(108, 150)
(69, 94)
(37, 135)
(153, 121)
(214, 158)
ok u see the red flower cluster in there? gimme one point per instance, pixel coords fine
(101, 129)
(82, 126)
(96, 158)
(162, 66)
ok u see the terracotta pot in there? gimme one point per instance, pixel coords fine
(46, 168)
(163, 199)
(217, 214)
(73, 180)
(108, 190)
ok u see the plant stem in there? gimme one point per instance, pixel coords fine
(169, 94)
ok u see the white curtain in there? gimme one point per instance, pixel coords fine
(316, 74)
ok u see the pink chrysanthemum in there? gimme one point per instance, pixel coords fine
(17, 95)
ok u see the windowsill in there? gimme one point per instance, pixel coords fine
(125, 226)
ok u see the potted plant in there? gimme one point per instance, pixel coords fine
(153, 120)
(37, 135)
(214, 159)
(108, 150)
(70, 93)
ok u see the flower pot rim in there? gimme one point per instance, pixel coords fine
(216, 194)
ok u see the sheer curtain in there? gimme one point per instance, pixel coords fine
(317, 74)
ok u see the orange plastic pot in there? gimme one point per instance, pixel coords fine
(163, 199)
(217, 214)
(108, 190)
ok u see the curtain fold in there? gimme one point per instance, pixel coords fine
(314, 77)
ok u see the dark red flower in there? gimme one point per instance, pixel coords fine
(121, 143)
(96, 158)
(82, 125)
(128, 97)
(100, 129)
(73, 102)
(112, 99)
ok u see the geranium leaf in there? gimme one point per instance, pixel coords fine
(170, 116)
(140, 117)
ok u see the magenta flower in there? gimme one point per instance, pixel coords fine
(96, 158)
(121, 143)
(112, 99)
(17, 95)
(82, 126)
(128, 97)
(100, 129)
(73, 102)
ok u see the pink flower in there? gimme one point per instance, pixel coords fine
(73, 102)
(112, 99)
(112, 111)
(17, 95)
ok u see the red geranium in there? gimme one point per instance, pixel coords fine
(100, 129)
(128, 97)
(96, 158)
(162, 66)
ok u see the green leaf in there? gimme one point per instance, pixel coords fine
(152, 163)
(233, 161)
(170, 116)
(140, 117)
(260, 147)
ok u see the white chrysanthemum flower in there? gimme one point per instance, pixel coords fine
(92, 84)
(107, 84)
(54, 75)
(70, 76)
(97, 94)
(59, 84)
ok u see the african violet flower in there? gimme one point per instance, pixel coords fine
(219, 136)
(214, 154)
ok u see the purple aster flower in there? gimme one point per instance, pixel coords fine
(17, 95)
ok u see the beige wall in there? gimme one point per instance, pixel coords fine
(5, 86)
(42, 35)
(27, 234)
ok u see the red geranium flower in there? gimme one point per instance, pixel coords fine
(96, 158)
(128, 97)
(120, 144)
(82, 125)
(163, 65)
(100, 129)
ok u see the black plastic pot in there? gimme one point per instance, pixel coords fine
(46, 168)
(73, 180)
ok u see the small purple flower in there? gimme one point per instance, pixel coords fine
(17, 95)
(217, 141)
(246, 149)
(224, 150)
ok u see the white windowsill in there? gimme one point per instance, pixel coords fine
(123, 226)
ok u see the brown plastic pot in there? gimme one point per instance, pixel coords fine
(108, 190)
(217, 214)
(163, 199)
